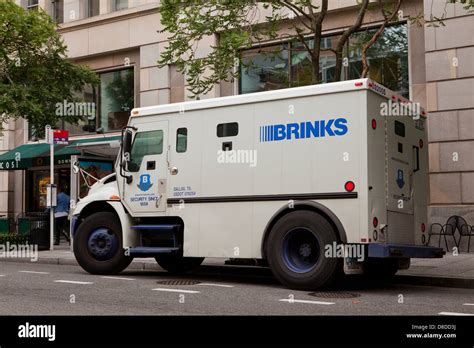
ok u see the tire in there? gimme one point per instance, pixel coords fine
(177, 264)
(295, 251)
(381, 269)
(98, 245)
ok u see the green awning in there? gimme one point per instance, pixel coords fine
(37, 155)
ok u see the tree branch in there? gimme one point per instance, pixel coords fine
(373, 39)
(345, 36)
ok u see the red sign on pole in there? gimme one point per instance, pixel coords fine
(60, 136)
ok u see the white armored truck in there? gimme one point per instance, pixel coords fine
(310, 181)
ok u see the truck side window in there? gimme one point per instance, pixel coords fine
(400, 129)
(227, 129)
(181, 140)
(145, 143)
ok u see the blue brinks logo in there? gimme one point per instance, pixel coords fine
(145, 182)
(304, 130)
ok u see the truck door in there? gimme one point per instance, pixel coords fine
(400, 168)
(400, 171)
(148, 167)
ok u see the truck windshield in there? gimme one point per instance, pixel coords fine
(145, 143)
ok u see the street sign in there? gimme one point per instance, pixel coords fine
(60, 136)
(51, 196)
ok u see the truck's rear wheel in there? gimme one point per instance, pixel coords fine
(295, 251)
(98, 245)
(177, 264)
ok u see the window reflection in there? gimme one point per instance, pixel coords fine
(272, 67)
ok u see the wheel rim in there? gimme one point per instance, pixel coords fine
(300, 250)
(102, 244)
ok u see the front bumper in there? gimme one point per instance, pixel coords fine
(404, 251)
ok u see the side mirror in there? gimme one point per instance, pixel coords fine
(126, 149)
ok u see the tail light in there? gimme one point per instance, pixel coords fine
(349, 186)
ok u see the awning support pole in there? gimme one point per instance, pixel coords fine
(49, 136)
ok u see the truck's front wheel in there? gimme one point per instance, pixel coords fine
(98, 245)
(296, 251)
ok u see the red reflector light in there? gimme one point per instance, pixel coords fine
(421, 143)
(423, 227)
(358, 84)
(374, 123)
(349, 186)
(375, 222)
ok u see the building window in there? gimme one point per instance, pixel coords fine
(289, 64)
(105, 108)
(58, 11)
(387, 58)
(227, 129)
(265, 69)
(93, 8)
(116, 99)
(120, 5)
(181, 140)
(32, 5)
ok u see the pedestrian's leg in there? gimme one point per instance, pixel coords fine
(59, 228)
(56, 231)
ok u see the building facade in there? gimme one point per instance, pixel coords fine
(122, 41)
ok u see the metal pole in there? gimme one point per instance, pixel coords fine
(51, 181)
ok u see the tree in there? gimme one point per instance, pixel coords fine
(240, 26)
(35, 73)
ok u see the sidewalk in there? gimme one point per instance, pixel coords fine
(450, 271)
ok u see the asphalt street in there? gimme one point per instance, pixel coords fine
(41, 289)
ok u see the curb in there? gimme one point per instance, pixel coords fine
(135, 265)
(434, 281)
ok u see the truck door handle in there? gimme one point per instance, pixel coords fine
(417, 159)
(227, 146)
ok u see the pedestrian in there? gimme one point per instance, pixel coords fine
(61, 214)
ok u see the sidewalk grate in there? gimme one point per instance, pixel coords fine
(334, 294)
(178, 282)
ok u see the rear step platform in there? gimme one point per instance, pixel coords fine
(151, 251)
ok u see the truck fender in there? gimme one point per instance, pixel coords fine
(129, 239)
(304, 205)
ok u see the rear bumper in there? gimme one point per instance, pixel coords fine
(404, 251)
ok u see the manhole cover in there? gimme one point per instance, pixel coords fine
(178, 282)
(334, 294)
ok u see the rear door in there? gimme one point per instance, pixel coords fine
(148, 167)
(400, 164)
(402, 158)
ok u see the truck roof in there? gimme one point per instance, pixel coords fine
(286, 93)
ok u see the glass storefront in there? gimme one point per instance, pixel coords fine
(37, 180)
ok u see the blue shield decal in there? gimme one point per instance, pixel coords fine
(400, 181)
(145, 182)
